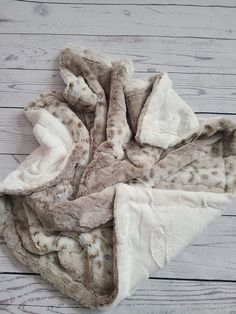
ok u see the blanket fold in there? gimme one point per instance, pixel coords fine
(125, 176)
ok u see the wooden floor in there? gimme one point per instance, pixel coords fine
(195, 41)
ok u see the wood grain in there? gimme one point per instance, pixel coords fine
(8, 163)
(158, 295)
(203, 92)
(145, 309)
(70, 18)
(15, 132)
(203, 3)
(150, 54)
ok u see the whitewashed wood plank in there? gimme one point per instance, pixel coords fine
(34, 17)
(19, 309)
(160, 296)
(204, 3)
(149, 54)
(18, 87)
(8, 163)
(203, 92)
(15, 132)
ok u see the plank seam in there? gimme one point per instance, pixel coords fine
(193, 279)
(133, 4)
(152, 278)
(136, 71)
(196, 112)
(118, 35)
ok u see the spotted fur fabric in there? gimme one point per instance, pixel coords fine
(125, 176)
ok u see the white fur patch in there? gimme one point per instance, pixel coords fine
(47, 161)
(165, 117)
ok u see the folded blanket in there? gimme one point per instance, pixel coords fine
(125, 176)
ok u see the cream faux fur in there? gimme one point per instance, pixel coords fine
(124, 178)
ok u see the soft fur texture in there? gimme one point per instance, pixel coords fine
(124, 178)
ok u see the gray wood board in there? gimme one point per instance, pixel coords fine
(148, 20)
(156, 296)
(150, 54)
(202, 92)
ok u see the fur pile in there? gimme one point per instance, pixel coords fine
(124, 178)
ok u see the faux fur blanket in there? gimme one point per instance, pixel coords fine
(124, 178)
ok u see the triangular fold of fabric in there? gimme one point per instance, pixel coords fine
(152, 226)
(165, 117)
